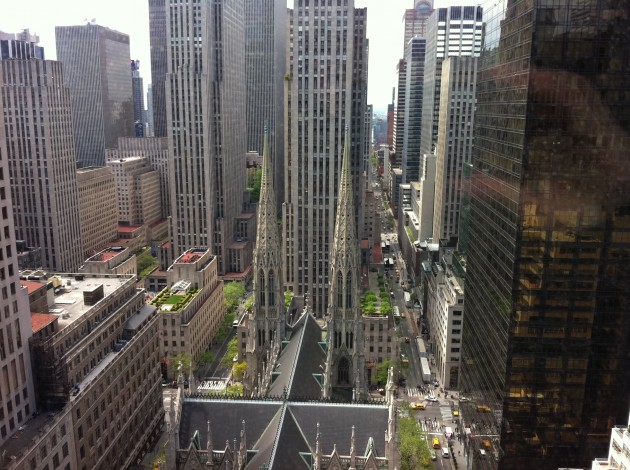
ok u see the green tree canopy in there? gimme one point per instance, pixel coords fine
(233, 291)
(185, 360)
(381, 372)
(238, 370)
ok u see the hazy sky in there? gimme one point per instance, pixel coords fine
(385, 31)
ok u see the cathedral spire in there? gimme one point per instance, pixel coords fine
(345, 362)
(345, 226)
(267, 320)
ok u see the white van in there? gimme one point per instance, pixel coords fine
(445, 454)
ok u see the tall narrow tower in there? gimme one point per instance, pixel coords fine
(39, 148)
(266, 323)
(205, 95)
(345, 363)
(265, 59)
(96, 70)
(325, 90)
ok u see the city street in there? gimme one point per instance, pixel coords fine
(437, 415)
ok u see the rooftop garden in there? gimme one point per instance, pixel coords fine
(173, 301)
(376, 305)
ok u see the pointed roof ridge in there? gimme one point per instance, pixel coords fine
(266, 179)
(346, 169)
(345, 200)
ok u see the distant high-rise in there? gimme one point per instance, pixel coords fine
(15, 323)
(414, 83)
(452, 31)
(455, 142)
(158, 39)
(39, 147)
(265, 67)
(205, 94)
(150, 131)
(326, 91)
(416, 20)
(96, 70)
(138, 99)
(546, 335)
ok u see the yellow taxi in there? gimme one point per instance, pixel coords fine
(455, 414)
(484, 408)
(436, 443)
(486, 444)
(417, 406)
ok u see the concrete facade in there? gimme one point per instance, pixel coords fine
(138, 189)
(325, 92)
(99, 217)
(191, 307)
(99, 371)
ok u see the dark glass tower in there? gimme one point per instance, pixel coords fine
(158, 36)
(546, 330)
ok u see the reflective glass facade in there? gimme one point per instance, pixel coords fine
(546, 326)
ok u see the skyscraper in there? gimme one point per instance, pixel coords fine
(150, 111)
(414, 83)
(452, 31)
(326, 85)
(138, 99)
(454, 146)
(39, 147)
(205, 93)
(158, 39)
(415, 24)
(265, 67)
(546, 327)
(96, 71)
(15, 322)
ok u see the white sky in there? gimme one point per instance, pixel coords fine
(385, 31)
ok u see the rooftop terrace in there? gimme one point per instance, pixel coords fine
(69, 303)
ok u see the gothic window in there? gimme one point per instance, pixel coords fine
(343, 372)
(261, 289)
(271, 298)
(339, 290)
(349, 291)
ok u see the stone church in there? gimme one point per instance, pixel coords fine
(305, 403)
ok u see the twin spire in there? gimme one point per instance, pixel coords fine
(345, 236)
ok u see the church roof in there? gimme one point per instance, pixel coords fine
(336, 421)
(311, 360)
(277, 432)
(226, 418)
(299, 360)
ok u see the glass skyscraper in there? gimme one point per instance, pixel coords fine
(546, 329)
(96, 70)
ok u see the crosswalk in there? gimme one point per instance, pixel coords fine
(414, 392)
(445, 411)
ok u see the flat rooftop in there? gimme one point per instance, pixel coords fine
(69, 297)
(128, 228)
(32, 286)
(25, 434)
(41, 320)
(191, 256)
(107, 254)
